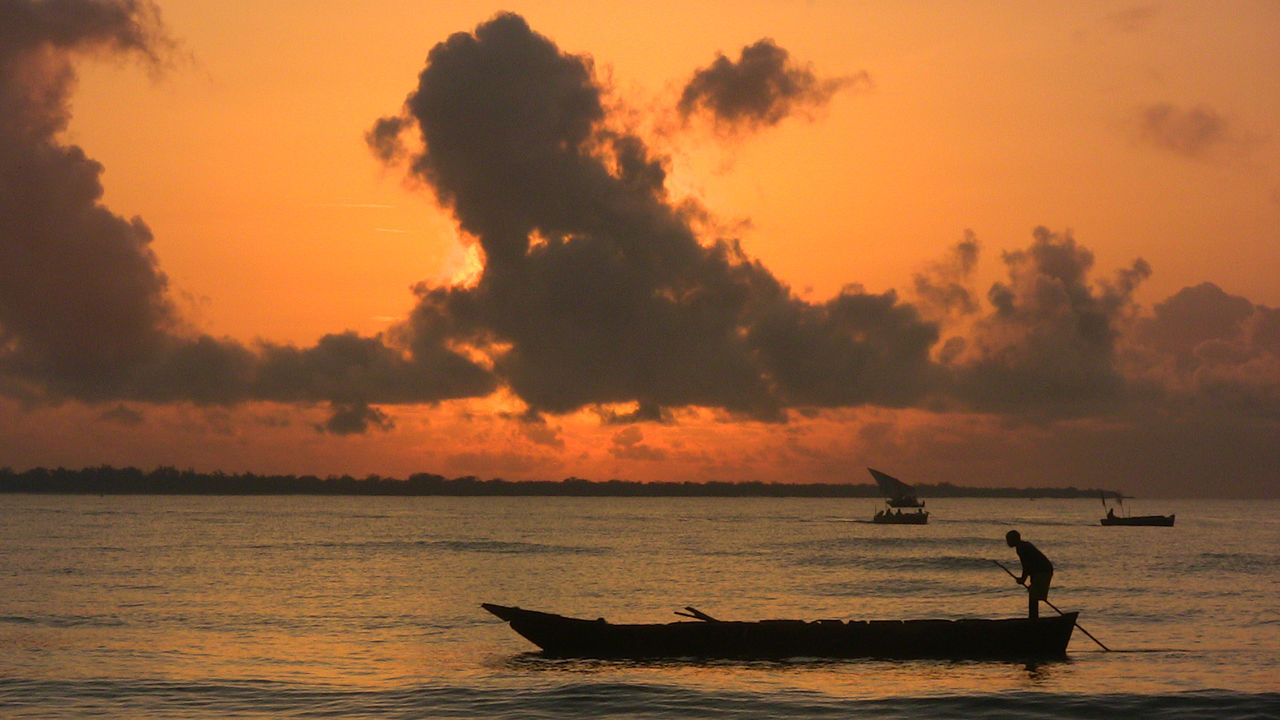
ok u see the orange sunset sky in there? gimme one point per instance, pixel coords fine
(985, 243)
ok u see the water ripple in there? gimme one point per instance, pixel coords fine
(571, 700)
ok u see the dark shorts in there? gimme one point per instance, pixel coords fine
(1039, 586)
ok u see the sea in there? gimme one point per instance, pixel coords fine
(147, 607)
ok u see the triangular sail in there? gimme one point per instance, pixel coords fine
(892, 487)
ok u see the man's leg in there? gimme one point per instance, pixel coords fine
(1037, 590)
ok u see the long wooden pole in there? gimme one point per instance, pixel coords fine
(1055, 607)
(697, 614)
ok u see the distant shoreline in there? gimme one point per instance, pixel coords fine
(106, 480)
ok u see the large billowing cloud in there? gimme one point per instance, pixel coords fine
(84, 307)
(596, 288)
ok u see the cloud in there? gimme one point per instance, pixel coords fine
(760, 89)
(943, 289)
(84, 307)
(596, 289)
(356, 418)
(538, 431)
(348, 368)
(628, 444)
(855, 349)
(1194, 316)
(81, 297)
(384, 138)
(1049, 342)
(122, 415)
(1198, 132)
(1213, 350)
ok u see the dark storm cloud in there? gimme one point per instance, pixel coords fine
(1191, 132)
(596, 289)
(84, 309)
(760, 89)
(1049, 343)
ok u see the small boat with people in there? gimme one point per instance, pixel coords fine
(897, 517)
(898, 495)
(705, 637)
(1112, 518)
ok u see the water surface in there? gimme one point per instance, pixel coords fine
(169, 607)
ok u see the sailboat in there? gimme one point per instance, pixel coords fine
(898, 495)
(1126, 519)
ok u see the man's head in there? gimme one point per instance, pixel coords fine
(1012, 537)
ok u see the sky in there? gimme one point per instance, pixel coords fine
(984, 243)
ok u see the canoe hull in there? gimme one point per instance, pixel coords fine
(1145, 520)
(1015, 638)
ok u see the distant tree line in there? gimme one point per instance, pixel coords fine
(165, 480)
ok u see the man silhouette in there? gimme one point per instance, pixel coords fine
(1034, 565)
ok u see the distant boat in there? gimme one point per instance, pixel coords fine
(898, 493)
(1147, 520)
(1010, 638)
(1151, 520)
(891, 517)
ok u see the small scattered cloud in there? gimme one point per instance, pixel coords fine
(759, 89)
(385, 139)
(355, 418)
(540, 432)
(1198, 132)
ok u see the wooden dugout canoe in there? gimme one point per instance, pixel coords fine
(1013, 638)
